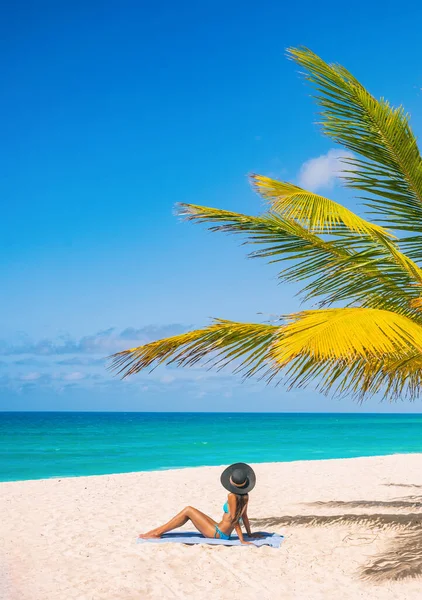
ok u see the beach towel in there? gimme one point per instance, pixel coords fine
(187, 537)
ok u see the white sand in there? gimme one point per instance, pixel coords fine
(75, 538)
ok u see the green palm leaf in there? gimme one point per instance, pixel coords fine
(223, 342)
(333, 269)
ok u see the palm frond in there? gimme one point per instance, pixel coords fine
(313, 212)
(352, 351)
(412, 247)
(374, 343)
(391, 168)
(417, 303)
(334, 269)
(403, 261)
(223, 342)
(320, 215)
(284, 239)
(346, 334)
(360, 378)
(380, 352)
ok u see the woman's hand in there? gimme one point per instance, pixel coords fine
(244, 543)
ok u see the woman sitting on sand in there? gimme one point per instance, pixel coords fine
(239, 479)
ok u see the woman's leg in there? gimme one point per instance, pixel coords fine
(203, 523)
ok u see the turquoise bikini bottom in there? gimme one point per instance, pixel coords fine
(221, 534)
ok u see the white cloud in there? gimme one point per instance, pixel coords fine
(322, 171)
(30, 377)
(75, 376)
(60, 363)
(102, 343)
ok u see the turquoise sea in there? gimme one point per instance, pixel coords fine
(40, 445)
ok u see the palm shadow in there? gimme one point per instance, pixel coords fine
(401, 560)
(403, 503)
(406, 485)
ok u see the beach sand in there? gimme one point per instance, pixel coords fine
(353, 529)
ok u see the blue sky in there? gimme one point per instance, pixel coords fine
(112, 112)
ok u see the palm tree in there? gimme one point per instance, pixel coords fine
(364, 333)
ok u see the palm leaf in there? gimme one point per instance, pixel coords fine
(391, 168)
(358, 379)
(352, 351)
(318, 214)
(346, 334)
(315, 213)
(335, 270)
(223, 342)
(374, 343)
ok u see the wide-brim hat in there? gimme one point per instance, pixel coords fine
(238, 478)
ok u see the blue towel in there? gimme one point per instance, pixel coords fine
(187, 537)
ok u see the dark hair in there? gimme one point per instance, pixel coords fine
(241, 500)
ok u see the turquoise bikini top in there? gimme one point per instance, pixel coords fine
(226, 510)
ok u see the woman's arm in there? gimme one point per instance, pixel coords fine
(247, 524)
(239, 532)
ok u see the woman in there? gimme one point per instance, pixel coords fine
(239, 479)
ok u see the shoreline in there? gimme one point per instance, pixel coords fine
(220, 466)
(351, 524)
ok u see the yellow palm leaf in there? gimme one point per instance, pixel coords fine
(314, 212)
(346, 334)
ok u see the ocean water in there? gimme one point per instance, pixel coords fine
(42, 445)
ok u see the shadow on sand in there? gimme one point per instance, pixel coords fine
(403, 558)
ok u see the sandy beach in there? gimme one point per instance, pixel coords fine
(352, 530)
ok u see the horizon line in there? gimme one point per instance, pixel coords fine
(188, 412)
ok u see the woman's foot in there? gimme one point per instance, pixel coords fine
(150, 535)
